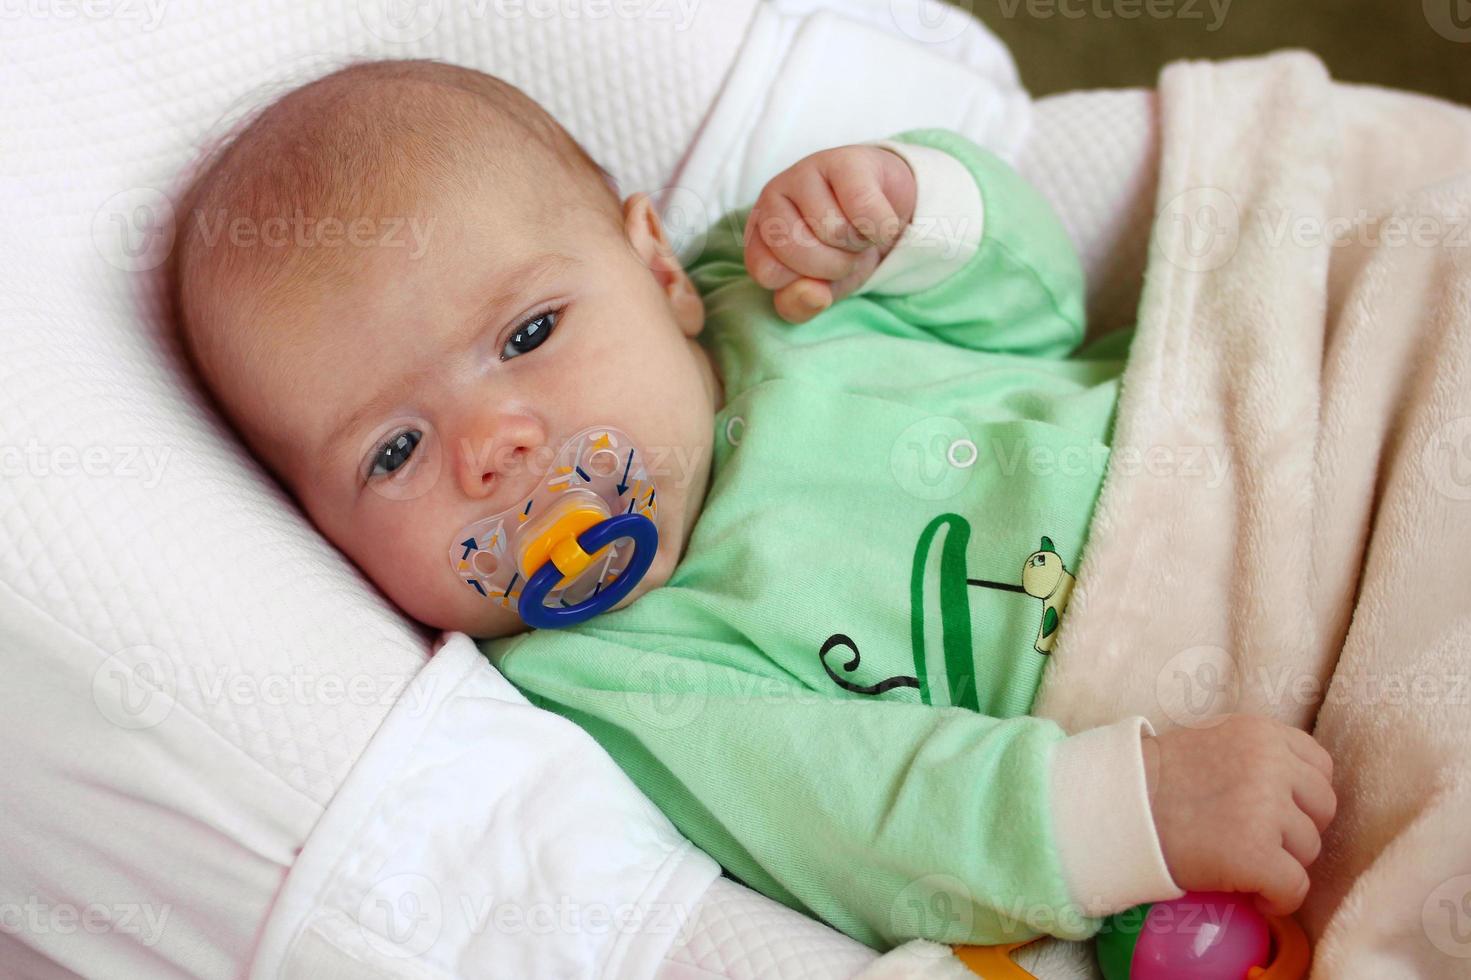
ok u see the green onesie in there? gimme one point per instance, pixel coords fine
(830, 694)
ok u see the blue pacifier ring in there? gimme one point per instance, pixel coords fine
(645, 536)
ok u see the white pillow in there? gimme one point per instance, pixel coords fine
(191, 670)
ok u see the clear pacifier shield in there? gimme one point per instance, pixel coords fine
(597, 474)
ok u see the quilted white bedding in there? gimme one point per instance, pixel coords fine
(228, 754)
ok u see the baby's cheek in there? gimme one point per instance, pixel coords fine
(414, 571)
(407, 563)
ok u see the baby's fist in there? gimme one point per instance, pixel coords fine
(1241, 806)
(820, 227)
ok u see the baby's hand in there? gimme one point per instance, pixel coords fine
(1240, 806)
(821, 226)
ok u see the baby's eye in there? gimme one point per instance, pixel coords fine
(530, 334)
(395, 452)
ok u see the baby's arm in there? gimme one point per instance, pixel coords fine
(982, 261)
(1240, 806)
(889, 819)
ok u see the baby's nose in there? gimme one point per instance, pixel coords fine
(500, 455)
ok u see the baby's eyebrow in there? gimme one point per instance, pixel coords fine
(517, 280)
(520, 278)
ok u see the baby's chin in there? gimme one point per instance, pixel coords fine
(484, 623)
(499, 631)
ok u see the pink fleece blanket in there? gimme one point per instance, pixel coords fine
(1286, 524)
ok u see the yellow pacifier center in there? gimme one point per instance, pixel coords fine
(558, 543)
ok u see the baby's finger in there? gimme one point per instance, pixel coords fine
(868, 260)
(786, 233)
(1300, 837)
(1313, 794)
(1283, 884)
(814, 197)
(862, 198)
(1310, 750)
(765, 267)
(802, 300)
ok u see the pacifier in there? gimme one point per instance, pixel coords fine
(577, 545)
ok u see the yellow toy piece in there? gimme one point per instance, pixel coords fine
(993, 962)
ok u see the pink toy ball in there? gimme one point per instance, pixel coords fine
(1200, 936)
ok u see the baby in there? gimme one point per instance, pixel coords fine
(876, 446)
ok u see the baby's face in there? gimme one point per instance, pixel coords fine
(419, 393)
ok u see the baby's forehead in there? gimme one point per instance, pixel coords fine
(322, 169)
(328, 163)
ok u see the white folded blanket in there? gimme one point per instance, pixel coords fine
(1286, 524)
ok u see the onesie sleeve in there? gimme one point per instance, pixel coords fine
(887, 819)
(984, 263)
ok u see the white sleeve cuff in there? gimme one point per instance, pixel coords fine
(1106, 840)
(944, 233)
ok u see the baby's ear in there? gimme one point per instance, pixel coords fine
(649, 242)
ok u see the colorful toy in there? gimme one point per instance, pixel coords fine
(1199, 936)
(567, 545)
(1209, 935)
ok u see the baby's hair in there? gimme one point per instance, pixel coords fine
(365, 141)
